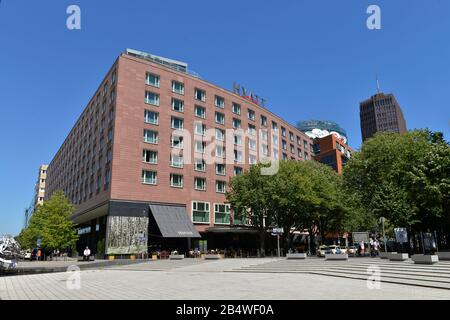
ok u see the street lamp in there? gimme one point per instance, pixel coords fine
(382, 219)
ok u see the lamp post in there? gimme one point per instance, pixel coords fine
(382, 219)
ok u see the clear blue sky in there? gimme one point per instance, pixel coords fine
(311, 59)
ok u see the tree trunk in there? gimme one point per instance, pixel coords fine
(262, 238)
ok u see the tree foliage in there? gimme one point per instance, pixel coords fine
(402, 177)
(301, 195)
(51, 224)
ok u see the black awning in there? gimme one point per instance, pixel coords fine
(231, 229)
(172, 221)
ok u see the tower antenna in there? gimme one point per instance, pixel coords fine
(378, 84)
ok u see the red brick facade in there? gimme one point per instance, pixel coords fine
(90, 174)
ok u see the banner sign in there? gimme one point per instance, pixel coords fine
(401, 235)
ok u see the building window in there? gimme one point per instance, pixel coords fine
(237, 170)
(220, 152)
(176, 142)
(177, 105)
(150, 136)
(252, 144)
(200, 183)
(176, 161)
(237, 140)
(177, 123)
(221, 186)
(152, 98)
(306, 156)
(200, 94)
(199, 165)
(265, 150)
(220, 118)
(200, 112)
(283, 132)
(237, 156)
(291, 136)
(220, 134)
(251, 114)
(107, 176)
(219, 102)
(151, 117)
(252, 159)
(176, 180)
(200, 211)
(274, 126)
(200, 146)
(200, 128)
(221, 213)
(148, 177)
(114, 77)
(177, 87)
(275, 140)
(150, 156)
(283, 144)
(251, 129)
(220, 169)
(108, 155)
(292, 148)
(275, 154)
(264, 136)
(264, 121)
(305, 144)
(299, 153)
(236, 108)
(236, 123)
(152, 79)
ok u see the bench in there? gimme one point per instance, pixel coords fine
(443, 255)
(176, 257)
(296, 256)
(337, 256)
(425, 259)
(212, 256)
(385, 255)
(91, 258)
(398, 257)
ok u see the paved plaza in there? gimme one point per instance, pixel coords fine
(264, 279)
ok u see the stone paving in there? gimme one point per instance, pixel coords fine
(405, 273)
(195, 279)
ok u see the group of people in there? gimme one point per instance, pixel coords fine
(374, 247)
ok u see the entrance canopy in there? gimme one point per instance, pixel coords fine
(172, 222)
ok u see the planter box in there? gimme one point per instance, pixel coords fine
(340, 256)
(385, 255)
(154, 257)
(212, 257)
(296, 256)
(176, 257)
(425, 259)
(398, 257)
(443, 255)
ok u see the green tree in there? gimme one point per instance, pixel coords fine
(51, 224)
(301, 195)
(402, 177)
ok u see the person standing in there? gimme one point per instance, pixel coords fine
(361, 247)
(86, 254)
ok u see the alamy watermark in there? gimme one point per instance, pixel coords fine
(73, 281)
(73, 21)
(374, 279)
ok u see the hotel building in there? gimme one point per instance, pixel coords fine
(39, 193)
(148, 161)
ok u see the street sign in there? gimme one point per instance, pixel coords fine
(401, 235)
(360, 236)
(38, 242)
(277, 231)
